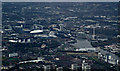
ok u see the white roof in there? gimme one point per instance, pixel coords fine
(36, 31)
(12, 41)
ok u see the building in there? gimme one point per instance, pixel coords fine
(62, 27)
(47, 67)
(13, 54)
(86, 49)
(59, 69)
(36, 31)
(4, 68)
(52, 34)
(108, 57)
(86, 66)
(41, 58)
(74, 66)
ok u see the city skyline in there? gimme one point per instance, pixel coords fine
(60, 36)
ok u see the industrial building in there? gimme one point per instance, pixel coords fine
(108, 57)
